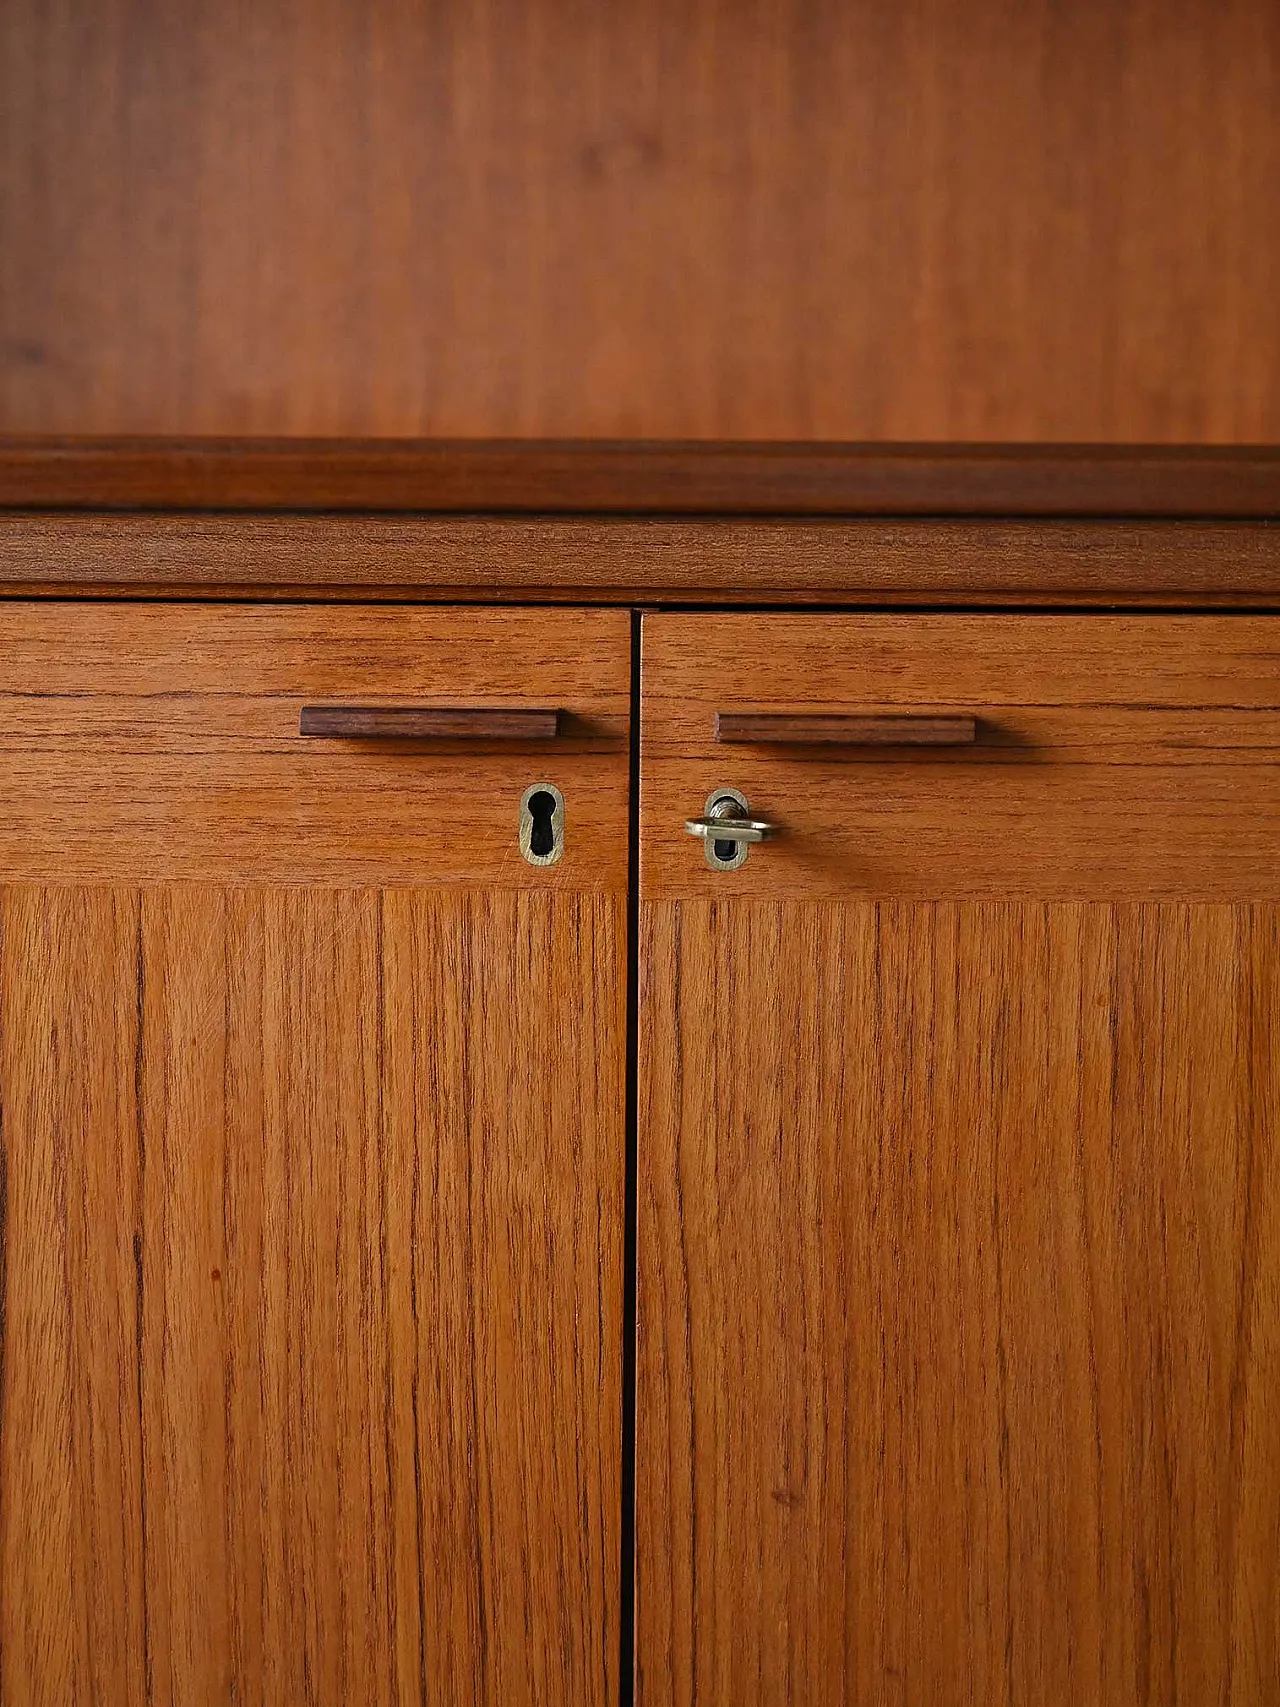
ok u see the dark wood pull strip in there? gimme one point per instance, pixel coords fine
(426, 723)
(889, 729)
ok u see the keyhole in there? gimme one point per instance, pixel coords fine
(542, 823)
(722, 854)
(727, 804)
(542, 837)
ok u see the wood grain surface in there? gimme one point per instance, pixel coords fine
(158, 742)
(312, 1295)
(1117, 757)
(922, 220)
(478, 476)
(959, 1303)
(513, 559)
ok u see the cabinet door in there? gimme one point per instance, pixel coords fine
(313, 1156)
(959, 1163)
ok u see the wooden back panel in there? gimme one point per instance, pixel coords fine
(933, 219)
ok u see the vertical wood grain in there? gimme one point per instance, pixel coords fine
(312, 1295)
(72, 1504)
(926, 219)
(959, 1303)
(274, 1512)
(510, 1139)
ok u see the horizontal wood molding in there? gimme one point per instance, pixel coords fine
(623, 559)
(645, 477)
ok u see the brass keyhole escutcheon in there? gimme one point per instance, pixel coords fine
(542, 823)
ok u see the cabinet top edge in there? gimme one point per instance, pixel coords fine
(641, 477)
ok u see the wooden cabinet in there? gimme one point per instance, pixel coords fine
(313, 1144)
(959, 1164)
(438, 1271)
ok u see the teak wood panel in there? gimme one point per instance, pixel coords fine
(312, 1295)
(514, 559)
(159, 742)
(1118, 757)
(311, 1162)
(959, 1303)
(959, 1195)
(932, 220)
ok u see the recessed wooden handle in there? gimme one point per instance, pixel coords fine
(426, 723)
(888, 729)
